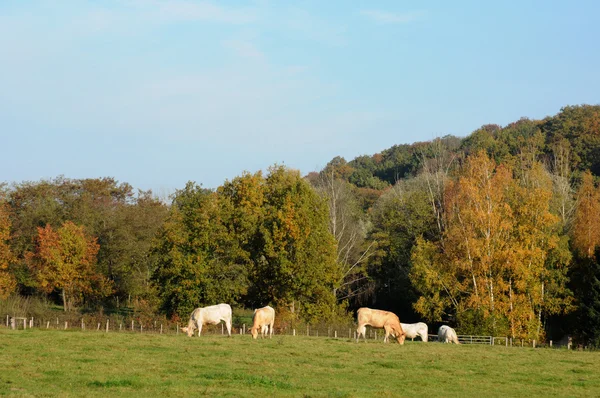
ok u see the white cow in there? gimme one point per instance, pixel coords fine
(413, 330)
(447, 335)
(263, 319)
(211, 315)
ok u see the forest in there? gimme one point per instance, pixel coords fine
(496, 233)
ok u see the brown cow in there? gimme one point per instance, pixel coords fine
(263, 319)
(379, 319)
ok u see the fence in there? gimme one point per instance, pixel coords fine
(336, 332)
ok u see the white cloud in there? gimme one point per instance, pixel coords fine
(386, 17)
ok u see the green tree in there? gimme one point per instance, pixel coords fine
(295, 265)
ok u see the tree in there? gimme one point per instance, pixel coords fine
(198, 257)
(500, 266)
(349, 227)
(65, 260)
(295, 263)
(586, 229)
(8, 282)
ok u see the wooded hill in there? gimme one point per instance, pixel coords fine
(494, 233)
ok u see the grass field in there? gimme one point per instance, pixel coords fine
(75, 363)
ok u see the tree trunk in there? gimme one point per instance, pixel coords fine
(64, 298)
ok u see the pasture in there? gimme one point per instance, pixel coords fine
(90, 363)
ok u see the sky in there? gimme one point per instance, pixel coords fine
(156, 93)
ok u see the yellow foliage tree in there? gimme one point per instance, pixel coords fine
(492, 261)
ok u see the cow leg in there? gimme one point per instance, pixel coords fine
(362, 329)
(228, 326)
(199, 328)
(271, 330)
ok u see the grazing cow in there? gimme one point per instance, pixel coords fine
(379, 319)
(413, 330)
(263, 319)
(211, 315)
(447, 335)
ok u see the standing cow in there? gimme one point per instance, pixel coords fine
(447, 335)
(211, 315)
(379, 319)
(263, 319)
(413, 330)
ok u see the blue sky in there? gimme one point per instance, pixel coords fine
(156, 93)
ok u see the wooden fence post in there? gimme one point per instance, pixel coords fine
(65, 325)
(47, 324)
(533, 343)
(31, 323)
(98, 328)
(550, 343)
(177, 329)
(569, 342)
(131, 323)
(244, 328)
(161, 328)
(294, 332)
(506, 341)
(82, 324)
(307, 331)
(107, 321)
(335, 334)
(141, 328)
(120, 325)
(6, 320)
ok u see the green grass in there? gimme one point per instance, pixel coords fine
(74, 363)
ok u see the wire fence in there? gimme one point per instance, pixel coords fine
(340, 331)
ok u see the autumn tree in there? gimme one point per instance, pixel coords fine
(8, 283)
(500, 268)
(586, 229)
(65, 260)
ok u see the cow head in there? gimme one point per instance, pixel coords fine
(189, 329)
(399, 334)
(254, 332)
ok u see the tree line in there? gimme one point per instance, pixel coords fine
(495, 233)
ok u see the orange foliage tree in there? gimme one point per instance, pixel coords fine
(7, 281)
(65, 259)
(586, 227)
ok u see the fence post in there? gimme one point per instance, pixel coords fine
(177, 329)
(6, 320)
(31, 323)
(569, 343)
(161, 328)
(294, 332)
(107, 321)
(65, 325)
(82, 324)
(533, 343)
(335, 334)
(244, 328)
(98, 328)
(24, 323)
(349, 333)
(141, 328)
(551, 343)
(506, 341)
(307, 331)
(47, 324)
(131, 323)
